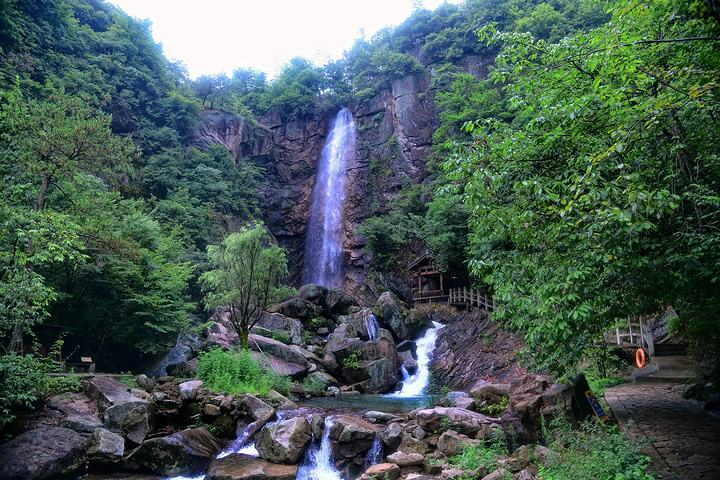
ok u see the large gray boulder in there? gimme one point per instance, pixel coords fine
(452, 443)
(105, 446)
(255, 408)
(245, 467)
(282, 358)
(115, 401)
(48, 452)
(297, 308)
(79, 412)
(284, 441)
(189, 450)
(186, 347)
(351, 436)
(404, 325)
(277, 322)
(458, 419)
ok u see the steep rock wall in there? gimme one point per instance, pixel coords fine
(394, 137)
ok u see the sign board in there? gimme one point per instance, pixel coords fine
(595, 404)
(86, 359)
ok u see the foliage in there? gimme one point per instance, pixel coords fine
(246, 277)
(494, 409)
(316, 386)
(24, 382)
(599, 200)
(594, 451)
(281, 336)
(237, 372)
(317, 322)
(485, 455)
(353, 361)
(128, 379)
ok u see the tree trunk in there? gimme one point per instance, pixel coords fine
(43, 191)
(243, 334)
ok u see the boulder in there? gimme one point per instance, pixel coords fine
(284, 441)
(408, 361)
(279, 401)
(78, 411)
(404, 325)
(458, 419)
(324, 378)
(186, 369)
(282, 358)
(145, 382)
(452, 443)
(48, 452)
(373, 416)
(297, 308)
(114, 417)
(499, 474)
(313, 293)
(276, 322)
(254, 407)
(186, 347)
(384, 471)
(392, 436)
(246, 467)
(105, 446)
(337, 302)
(188, 390)
(490, 392)
(136, 425)
(189, 450)
(108, 392)
(351, 436)
(402, 459)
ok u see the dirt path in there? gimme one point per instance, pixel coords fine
(684, 440)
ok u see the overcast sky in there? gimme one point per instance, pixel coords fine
(213, 36)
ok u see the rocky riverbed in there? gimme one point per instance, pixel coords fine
(170, 424)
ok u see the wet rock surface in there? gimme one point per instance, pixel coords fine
(42, 453)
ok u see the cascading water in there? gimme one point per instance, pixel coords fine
(371, 325)
(375, 454)
(415, 385)
(318, 461)
(242, 443)
(323, 243)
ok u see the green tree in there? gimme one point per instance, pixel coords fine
(599, 200)
(246, 277)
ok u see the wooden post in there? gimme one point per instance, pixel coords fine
(441, 283)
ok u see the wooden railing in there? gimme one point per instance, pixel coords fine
(429, 296)
(634, 333)
(471, 299)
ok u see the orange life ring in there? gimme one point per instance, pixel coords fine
(640, 358)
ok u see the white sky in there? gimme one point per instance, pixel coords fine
(213, 36)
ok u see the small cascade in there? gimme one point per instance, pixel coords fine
(325, 234)
(242, 443)
(318, 462)
(371, 325)
(375, 454)
(415, 385)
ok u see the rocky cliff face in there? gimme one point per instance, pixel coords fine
(394, 136)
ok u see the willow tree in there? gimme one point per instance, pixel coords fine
(247, 276)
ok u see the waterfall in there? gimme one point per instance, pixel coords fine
(375, 454)
(324, 240)
(414, 385)
(371, 325)
(318, 462)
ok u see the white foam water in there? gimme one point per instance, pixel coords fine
(318, 462)
(415, 385)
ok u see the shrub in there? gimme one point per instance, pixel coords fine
(594, 451)
(24, 383)
(315, 386)
(317, 322)
(494, 409)
(353, 361)
(237, 372)
(485, 455)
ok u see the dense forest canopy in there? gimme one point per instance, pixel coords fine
(578, 181)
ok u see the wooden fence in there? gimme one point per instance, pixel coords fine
(471, 299)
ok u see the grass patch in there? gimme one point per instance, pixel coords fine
(592, 452)
(128, 379)
(237, 372)
(485, 455)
